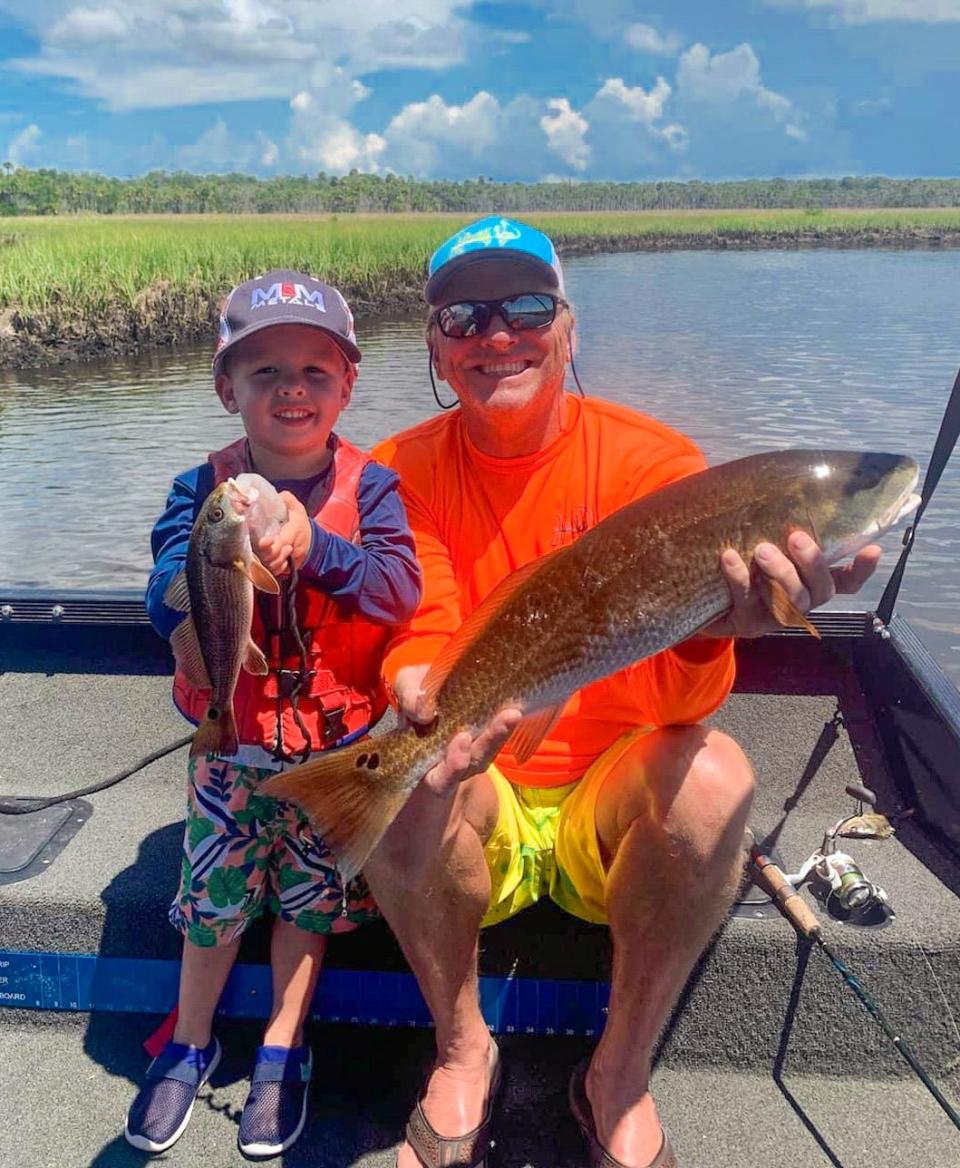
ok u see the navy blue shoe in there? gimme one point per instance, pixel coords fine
(276, 1108)
(159, 1115)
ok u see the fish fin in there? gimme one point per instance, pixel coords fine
(177, 594)
(216, 734)
(254, 660)
(786, 611)
(186, 648)
(443, 665)
(532, 730)
(260, 576)
(349, 802)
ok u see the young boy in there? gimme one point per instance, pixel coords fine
(286, 362)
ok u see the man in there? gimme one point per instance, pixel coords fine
(629, 792)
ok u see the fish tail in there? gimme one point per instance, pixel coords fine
(217, 733)
(351, 796)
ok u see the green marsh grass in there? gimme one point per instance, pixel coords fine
(108, 282)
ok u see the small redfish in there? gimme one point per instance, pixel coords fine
(215, 588)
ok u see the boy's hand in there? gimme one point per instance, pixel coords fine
(411, 706)
(291, 541)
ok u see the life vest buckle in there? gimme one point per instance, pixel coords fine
(334, 727)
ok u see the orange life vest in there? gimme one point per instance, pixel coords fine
(340, 691)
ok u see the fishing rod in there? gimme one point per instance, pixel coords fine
(946, 439)
(798, 913)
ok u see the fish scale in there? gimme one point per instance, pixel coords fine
(223, 620)
(642, 580)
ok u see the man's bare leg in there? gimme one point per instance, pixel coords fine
(430, 879)
(670, 819)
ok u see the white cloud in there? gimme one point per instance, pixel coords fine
(604, 18)
(320, 135)
(616, 112)
(431, 137)
(137, 54)
(338, 147)
(24, 147)
(872, 105)
(728, 79)
(218, 151)
(89, 26)
(874, 11)
(622, 132)
(565, 130)
(640, 105)
(646, 39)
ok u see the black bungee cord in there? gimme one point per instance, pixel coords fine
(24, 804)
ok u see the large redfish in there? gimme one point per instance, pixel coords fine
(645, 578)
(215, 588)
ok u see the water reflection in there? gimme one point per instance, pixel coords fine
(743, 351)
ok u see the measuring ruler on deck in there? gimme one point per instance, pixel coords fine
(76, 981)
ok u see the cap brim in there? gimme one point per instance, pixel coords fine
(504, 272)
(349, 350)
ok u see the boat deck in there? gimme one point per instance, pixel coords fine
(769, 1057)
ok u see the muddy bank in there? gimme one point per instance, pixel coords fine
(163, 316)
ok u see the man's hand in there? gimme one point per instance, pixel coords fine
(804, 575)
(466, 755)
(292, 540)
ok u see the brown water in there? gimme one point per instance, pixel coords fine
(744, 352)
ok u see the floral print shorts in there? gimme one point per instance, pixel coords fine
(243, 852)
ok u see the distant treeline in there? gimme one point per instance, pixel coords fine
(54, 192)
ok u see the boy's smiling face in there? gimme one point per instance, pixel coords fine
(289, 383)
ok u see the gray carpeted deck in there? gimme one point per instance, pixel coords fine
(66, 1080)
(83, 1076)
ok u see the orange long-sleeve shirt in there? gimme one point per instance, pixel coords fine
(477, 518)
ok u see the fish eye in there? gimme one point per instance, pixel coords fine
(216, 514)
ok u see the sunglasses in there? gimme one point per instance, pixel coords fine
(528, 310)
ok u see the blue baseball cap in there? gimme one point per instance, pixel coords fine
(515, 246)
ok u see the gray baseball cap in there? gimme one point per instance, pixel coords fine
(286, 297)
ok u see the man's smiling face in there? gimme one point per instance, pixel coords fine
(500, 367)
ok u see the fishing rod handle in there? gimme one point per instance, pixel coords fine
(791, 903)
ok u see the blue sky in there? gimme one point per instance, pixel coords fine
(526, 90)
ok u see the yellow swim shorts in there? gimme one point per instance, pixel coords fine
(545, 843)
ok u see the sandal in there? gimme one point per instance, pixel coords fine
(599, 1157)
(467, 1151)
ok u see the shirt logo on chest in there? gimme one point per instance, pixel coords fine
(571, 527)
